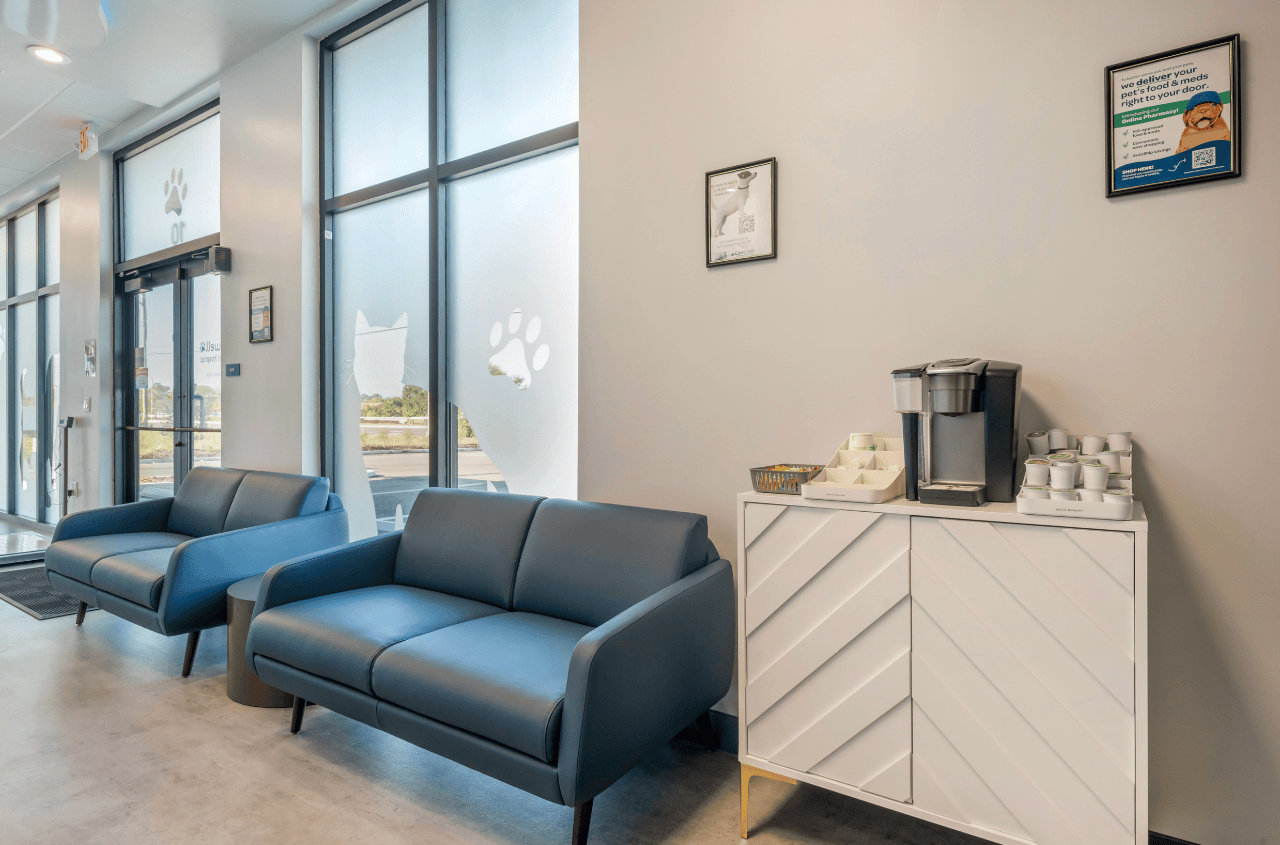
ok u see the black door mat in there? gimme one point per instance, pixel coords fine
(27, 590)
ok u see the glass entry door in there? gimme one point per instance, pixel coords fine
(172, 363)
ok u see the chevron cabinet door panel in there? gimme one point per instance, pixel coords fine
(828, 639)
(1023, 679)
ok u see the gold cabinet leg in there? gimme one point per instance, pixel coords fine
(749, 772)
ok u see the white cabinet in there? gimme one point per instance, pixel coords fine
(828, 641)
(978, 668)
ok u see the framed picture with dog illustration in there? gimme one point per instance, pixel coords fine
(742, 213)
(1174, 118)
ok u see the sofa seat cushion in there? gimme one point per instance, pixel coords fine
(136, 576)
(77, 558)
(338, 636)
(502, 677)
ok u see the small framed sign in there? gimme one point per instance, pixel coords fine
(742, 213)
(260, 315)
(1174, 117)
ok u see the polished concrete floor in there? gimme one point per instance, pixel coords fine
(101, 741)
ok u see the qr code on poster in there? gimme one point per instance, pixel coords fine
(1204, 158)
(746, 224)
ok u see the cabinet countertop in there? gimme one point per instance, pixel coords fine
(990, 512)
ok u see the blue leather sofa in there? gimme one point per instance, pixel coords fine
(165, 564)
(550, 644)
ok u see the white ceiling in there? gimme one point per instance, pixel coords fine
(156, 50)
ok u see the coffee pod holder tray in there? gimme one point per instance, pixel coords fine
(869, 476)
(1082, 510)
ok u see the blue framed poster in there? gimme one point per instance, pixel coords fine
(1174, 118)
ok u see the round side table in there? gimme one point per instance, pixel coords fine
(243, 686)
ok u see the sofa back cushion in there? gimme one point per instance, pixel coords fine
(587, 562)
(201, 505)
(464, 543)
(266, 497)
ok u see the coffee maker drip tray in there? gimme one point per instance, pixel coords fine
(964, 495)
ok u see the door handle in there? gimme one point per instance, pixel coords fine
(178, 443)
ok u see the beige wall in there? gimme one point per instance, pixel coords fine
(941, 193)
(270, 220)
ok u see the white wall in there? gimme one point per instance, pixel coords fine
(941, 193)
(270, 219)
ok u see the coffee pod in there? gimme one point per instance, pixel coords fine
(1090, 495)
(1037, 473)
(1038, 442)
(1062, 457)
(1094, 476)
(1031, 491)
(1092, 444)
(1064, 495)
(862, 440)
(1110, 459)
(1117, 497)
(1120, 481)
(1062, 476)
(1059, 438)
(1120, 440)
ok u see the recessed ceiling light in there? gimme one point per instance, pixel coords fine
(48, 54)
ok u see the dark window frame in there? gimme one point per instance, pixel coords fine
(12, 439)
(442, 419)
(182, 262)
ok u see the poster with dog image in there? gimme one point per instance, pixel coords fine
(741, 213)
(1174, 117)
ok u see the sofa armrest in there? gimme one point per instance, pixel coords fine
(194, 594)
(147, 515)
(640, 678)
(364, 563)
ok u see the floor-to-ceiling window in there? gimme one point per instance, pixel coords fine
(450, 177)
(168, 306)
(30, 460)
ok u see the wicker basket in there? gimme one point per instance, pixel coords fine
(768, 480)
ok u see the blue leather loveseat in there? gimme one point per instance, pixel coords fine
(165, 564)
(549, 644)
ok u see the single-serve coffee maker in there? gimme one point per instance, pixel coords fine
(960, 429)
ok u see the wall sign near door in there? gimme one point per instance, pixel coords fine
(260, 315)
(742, 213)
(1174, 117)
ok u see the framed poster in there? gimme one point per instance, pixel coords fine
(260, 315)
(742, 213)
(1174, 118)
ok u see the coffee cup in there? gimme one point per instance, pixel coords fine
(1062, 476)
(1119, 497)
(1035, 492)
(1064, 495)
(862, 440)
(1059, 439)
(1110, 458)
(1094, 476)
(1092, 444)
(1037, 473)
(1120, 440)
(1090, 495)
(1038, 442)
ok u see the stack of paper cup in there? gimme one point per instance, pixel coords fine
(862, 440)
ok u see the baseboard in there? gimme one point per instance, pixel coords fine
(1162, 839)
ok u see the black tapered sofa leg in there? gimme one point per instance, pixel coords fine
(299, 707)
(80, 612)
(581, 822)
(192, 640)
(707, 733)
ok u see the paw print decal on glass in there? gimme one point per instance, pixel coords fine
(176, 191)
(513, 360)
